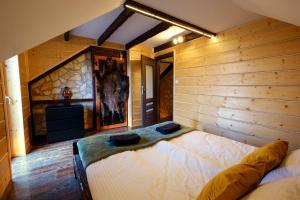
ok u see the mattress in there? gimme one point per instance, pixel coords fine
(177, 169)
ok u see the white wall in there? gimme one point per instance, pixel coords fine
(25, 24)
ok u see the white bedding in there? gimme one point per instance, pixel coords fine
(175, 169)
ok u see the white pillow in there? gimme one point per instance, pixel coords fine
(283, 189)
(290, 166)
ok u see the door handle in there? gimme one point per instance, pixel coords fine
(9, 100)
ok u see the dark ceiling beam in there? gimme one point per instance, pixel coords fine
(124, 15)
(186, 38)
(156, 14)
(67, 36)
(149, 34)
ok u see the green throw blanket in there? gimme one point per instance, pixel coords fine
(97, 147)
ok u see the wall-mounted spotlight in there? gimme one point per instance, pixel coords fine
(175, 41)
(156, 14)
(178, 40)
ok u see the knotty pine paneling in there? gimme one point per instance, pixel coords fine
(272, 78)
(135, 54)
(288, 93)
(288, 123)
(279, 63)
(136, 92)
(46, 55)
(244, 84)
(258, 105)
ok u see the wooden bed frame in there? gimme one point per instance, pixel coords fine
(80, 174)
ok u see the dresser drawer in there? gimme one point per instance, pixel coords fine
(64, 123)
(58, 136)
(63, 112)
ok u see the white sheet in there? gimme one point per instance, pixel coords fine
(282, 189)
(289, 167)
(177, 169)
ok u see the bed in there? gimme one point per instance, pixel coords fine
(176, 169)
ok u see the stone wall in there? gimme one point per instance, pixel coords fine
(77, 75)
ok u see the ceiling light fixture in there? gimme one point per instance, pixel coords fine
(142, 9)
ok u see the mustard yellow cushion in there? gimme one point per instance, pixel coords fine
(236, 181)
(271, 155)
(232, 183)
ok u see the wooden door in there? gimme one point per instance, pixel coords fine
(5, 163)
(149, 102)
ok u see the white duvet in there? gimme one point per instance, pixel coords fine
(171, 170)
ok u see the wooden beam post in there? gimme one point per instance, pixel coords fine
(148, 34)
(125, 14)
(67, 36)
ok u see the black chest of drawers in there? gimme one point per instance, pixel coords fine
(64, 123)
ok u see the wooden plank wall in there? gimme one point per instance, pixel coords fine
(24, 79)
(244, 84)
(5, 165)
(135, 62)
(47, 55)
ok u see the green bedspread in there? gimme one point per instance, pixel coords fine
(94, 148)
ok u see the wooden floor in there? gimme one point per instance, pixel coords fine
(46, 173)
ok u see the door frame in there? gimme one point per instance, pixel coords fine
(144, 61)
(158, 58)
